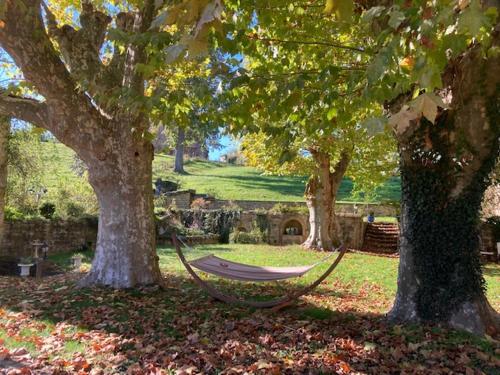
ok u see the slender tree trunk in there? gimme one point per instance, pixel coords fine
(321, 192)
(179, 151)
(126, 249)
(444, 171)
(4, 137)
(319, 203)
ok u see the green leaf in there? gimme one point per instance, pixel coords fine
(332, 112)
(472, 18)
(396, 18)
(372, 13)
(343, 9)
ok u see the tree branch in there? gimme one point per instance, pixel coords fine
(26, 109)
(80, 48)
(73, 117)
(308, 42)
(341, 167)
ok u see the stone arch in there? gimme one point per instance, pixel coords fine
(296, 236)
(293, 227)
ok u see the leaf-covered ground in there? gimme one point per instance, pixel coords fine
(55, 328)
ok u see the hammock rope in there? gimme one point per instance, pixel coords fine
(244, 272)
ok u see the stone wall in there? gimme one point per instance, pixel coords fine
(488, 241)
(208, 239)
(183, 199)
(351, 225)
(61, 236)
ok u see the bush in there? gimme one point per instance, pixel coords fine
(253, 237)
(231, 206)
(199, 204)
(246, 238)
(47, 210)
(74, 210)
(12, 213)
(281, 208)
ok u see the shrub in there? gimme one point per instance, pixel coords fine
(199, 204)
(47, 210)
(74, 210)
(12, 213)
(281, 208)
(231, 206)
(253, 237)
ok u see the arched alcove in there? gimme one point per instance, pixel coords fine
(293, 228)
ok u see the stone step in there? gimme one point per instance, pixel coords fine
(379, 230)
(381, 237)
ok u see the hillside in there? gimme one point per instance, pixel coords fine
(221, 180)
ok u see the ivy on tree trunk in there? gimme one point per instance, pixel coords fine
(444, 170)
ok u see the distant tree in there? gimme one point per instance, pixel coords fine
(366, 159)
(24, 181)
(179, 150)
(303, 96)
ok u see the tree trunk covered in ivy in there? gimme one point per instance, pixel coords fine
(179, 151)
(321, 192)
(444, 171)
(96, 110)
(4, 138)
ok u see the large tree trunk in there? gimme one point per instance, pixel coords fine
(443, 182)
(4, 137)
(108, 135)
(321, 192)
(126, 249)
(179, 151)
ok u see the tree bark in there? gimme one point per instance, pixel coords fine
(444, 179)
(125, 250)
(321, 192)
(108, 135)
(4, 137)
(179, 151)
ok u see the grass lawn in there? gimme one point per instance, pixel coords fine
(224, 181)
(338, 328)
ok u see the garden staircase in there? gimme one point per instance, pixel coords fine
(381, 238)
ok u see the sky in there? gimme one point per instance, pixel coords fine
(228, 144)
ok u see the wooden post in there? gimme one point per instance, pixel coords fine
(39, 268)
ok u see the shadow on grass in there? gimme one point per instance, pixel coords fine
(182, 326)
(492, 270)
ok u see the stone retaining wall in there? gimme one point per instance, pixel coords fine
(351, 225)
(488, 241)
(60, 236)
(208, 239)
(183, 199)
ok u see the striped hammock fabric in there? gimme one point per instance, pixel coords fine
(244, 272)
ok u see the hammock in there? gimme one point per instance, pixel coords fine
(244, 272)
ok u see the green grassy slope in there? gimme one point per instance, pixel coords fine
(221, 180)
